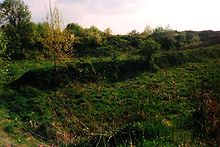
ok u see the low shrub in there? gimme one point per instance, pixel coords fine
(174, 58)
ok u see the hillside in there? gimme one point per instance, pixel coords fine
(80, 85)
(114, 102)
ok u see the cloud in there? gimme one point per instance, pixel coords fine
(125, 15)
(72, 1)
(101, 7)
(102, 13)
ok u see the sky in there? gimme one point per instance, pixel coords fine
(123, 16)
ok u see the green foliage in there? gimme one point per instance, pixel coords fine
(173, 58)
(95, 43)
(14, 12)
(147, 31)
(3, 43)
(112, 100)
(18, 27)
(94, 36)
(42, 31)
(3, 72)
(147, 48)
(195, 41)
(76, 29)
(117, 42)
(110, 71)
(209, 37)
(145, 109)
(164, 36)
(187, 39)
(58, 42)
(86, 38)
(108, 32)
(181, 41)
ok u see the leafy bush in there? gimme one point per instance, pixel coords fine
(148, 48)
(165, 37)
(173, 58)
(3, 43)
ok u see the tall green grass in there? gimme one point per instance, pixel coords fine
(148, 109)
(115, 102)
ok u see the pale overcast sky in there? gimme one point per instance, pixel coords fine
(122, 16)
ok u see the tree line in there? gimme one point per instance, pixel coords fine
(20, 38)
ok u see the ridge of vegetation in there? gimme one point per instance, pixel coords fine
(86, 87)
(111, 71)
(143, 110)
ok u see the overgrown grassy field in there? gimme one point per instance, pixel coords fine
(116, 102)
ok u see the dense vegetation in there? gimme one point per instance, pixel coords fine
(86, 87)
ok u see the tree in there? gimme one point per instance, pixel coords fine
(108, 32)
(147, 31)
(18, 27)
(133, 32)
(195, 40)
(147, 48)
(181, 41)
(42, 31)
(14, 12)
(94, 36)
(76, 29)
(58, 42)
(164, 36)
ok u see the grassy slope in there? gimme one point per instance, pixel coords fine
(162, 100)
(11, 132)
(158, 105)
